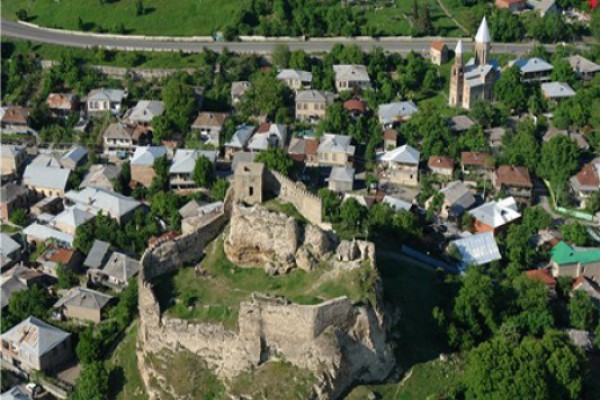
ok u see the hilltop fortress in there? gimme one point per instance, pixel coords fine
(339, 341)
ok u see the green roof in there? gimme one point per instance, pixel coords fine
(563, 254)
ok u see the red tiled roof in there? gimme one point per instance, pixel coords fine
(16, 115)
(437, 45)
(513, 176)
(440, 162)
(62, 256)
(541, 275)
(588, 176)
(264, 127)
(310, 147)
(390, 134)
(354, 105)
(476, 158)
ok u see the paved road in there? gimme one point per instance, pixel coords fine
(401, 45)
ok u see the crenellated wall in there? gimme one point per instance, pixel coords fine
(307, 203)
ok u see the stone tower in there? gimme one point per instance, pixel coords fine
(483, 42)
(457, 77)
(248, 181)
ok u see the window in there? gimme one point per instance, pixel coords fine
(251, 191)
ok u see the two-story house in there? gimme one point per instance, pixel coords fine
(335, 150)
(142, 163)
(295, 79)
(586, 182)
(12, 160)
(392, 114)
(210, 125)
(533, 69)
(144, 111)
(513, 181)
(182, 168)
(401, 165)
(62, 104)
(311, 105)
(239, 140)
(119, 141)
(268, 135)
(105, 100)
(585, 69)
(351, 77)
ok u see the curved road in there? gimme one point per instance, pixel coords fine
(401, 45)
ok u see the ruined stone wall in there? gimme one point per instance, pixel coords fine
(307, 203)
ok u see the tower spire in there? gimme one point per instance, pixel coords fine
(483, 41)
(483, 33)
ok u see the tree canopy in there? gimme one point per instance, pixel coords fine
(276, 159)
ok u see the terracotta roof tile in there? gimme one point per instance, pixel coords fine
(311, 146)
(475, 158)
(16, 115)
(437, 45)
(354, 105)
(390, 134)
(61, 255)
(588, 176)
(513, 176)
(541, 275)
(440, 162)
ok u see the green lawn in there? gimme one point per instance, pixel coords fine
(125, 382)
(217, 298)
(190, 17)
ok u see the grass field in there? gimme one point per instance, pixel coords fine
(217, 298)
(189, 17)
(125, 382)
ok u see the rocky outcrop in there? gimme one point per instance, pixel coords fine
(274, 241)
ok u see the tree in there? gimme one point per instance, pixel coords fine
(583, 313)
(32, 301)
(353, 214)
(66, 277)
(139, 8)
(559, 160)
(508, 368)
(276, 159)
(281, 55)
(161, 129)
(510, 91)
(92, 383)
(337, 119)
(265, 96)
(219, 188)
(331, 204)
(595, 23)
(562, 72)
(160, 182)
(89, 347)
(506, 27)
(204, 174)
(522, 148)
(575, 233)
(19, 217)
(180, 101)
(485, 114)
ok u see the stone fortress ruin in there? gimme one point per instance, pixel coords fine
(339, 340)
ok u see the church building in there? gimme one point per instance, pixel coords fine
(474, 80)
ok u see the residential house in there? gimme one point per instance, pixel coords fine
(440, 165)
(71, 218)
(101, 176)
(572, 261)
(533, 69)
(105, 100)
(98, 255)
(341, 179)
(115, 205)
(577, 137)
(585, 69)
(142, 163)
(304, 150)
(74, 158)
(543, 276)
(239, 140)
(476, 164)
(542, 7)
(15, 119)
(390, 139)
(355, 107)
(37, 233)
(586, 182)
(351, 77)
(392, 114)
(10, 251)
(397, 204)
(476, 79)
(460, 123)
(47, 160)
(119, 140)
(335, 150)
(210, 124)
(182, 168)
(438, 52)
(401, 165)
(557, 91)
(476, 249)
(144, 111)
(82, 304)
(364, 201)
(586, 285)
(495, 136)
(12, 160)
(268, 135)
(513, 181)
(13, 197)
(311, 105)
(62, 104)
(46, 181)
(495, 215)
(238, 89)
(18, 392)
(54, 256)
(116, 272)
(295, 79)
(33, 345)
(17, 279)
(48, 205)
(457, 200)
(511, 5)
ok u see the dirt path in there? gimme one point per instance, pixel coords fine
(449, 15)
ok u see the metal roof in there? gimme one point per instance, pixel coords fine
(564, 254)
(555, 90)
(403, 155)
(477, 249)
(97, 254)
(184, 160)
(35, 337)
(497, 213)
(8, 245)
(393, 112)
(397, 204)
(530, 65)
(331, 143)
(241, 136)
(146, 155)
(483, 33)
(93, 200)
(46, 177)
(300, 75)
(83, 298)
(145, 110)
(342, 174)
(351, 72)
